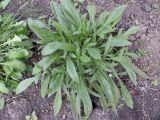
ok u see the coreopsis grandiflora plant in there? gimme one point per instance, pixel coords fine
(80, 57)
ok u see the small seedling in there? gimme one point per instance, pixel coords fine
(33, 116)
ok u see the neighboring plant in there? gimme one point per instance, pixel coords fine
(33, 116)
(81, 57)
(4, 3)
(13, 52)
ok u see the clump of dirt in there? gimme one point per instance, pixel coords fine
(142, 13)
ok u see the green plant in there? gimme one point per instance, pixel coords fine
(4, 4)
(13, 52)
(81, 54)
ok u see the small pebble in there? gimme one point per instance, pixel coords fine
(155, 6)
(147, 8)
(63, 117)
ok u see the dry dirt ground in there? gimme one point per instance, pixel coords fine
(144, 13)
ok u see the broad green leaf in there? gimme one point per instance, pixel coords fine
(37, 69)
(57, 82)
(47, 61)
(4, 3)
(2, 103)
(106, 86)
(107, 46)
(18, 54)
(83, 93)
(85, 58)
(132, 55)
(102, 18)
(44, 86)
(53, 46)
(16, 64)
(118, 42)
(126, 95)
(116, 92)
(92, 12)
(71, 70)
(131, 31)
(70, 12)
(140, 72)
(102, 99)
(57, 102)
(3, 88)
(115, 14)
(40, 29)
(94, 53)
(128, 67)
(23, 85)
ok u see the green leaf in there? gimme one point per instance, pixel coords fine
(116, 14)
(92, 12)
(85, 58)
(3, 88)
(44, 86)
(128, 66)
(118, 42)
(140, 72)
(18, 54)
(16, 64)
(132, 55)
(2, 103)
(131, 31)
(57, 82)
(47, 61)
(81, 1)
(71, 69)
(83, 93)
(23, 85)
(126, 95)
(106, 86)
(102, 18)
(57, 102)
(94, 53)
(53, 46)
(4, 3)
(40, 29)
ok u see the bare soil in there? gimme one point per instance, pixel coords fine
(144, 13)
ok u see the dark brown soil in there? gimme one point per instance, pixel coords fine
(144, 13)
